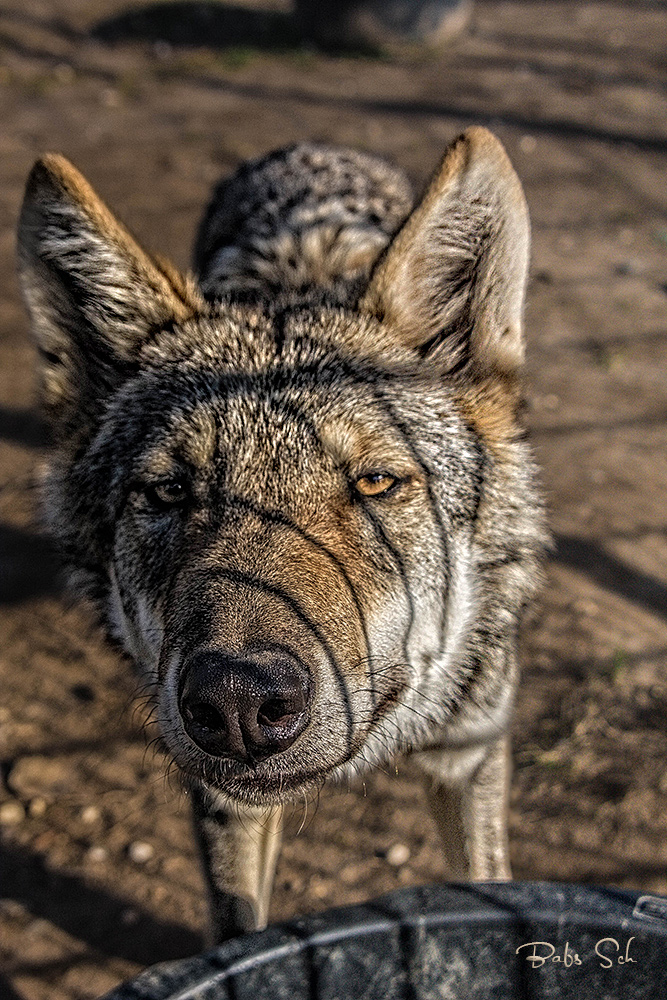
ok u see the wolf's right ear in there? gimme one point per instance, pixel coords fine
(94, 296)
(451, 284)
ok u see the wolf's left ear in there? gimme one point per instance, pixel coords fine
(452, 282)
(94, 296)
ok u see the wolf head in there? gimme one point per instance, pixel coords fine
(306, 523)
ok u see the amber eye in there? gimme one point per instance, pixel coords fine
(170, 493)
(375, 484)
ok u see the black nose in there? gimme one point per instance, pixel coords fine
(247, 709)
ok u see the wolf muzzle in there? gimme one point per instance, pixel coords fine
(244, 708)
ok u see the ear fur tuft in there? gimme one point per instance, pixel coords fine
(94, 296)
(452, 282)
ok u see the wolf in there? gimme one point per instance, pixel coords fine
(297, 486)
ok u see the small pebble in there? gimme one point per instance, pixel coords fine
(64, 73)
(89, 814)
(585, 606)
(398, 854)
(129, 917)
(140, 852)
(38, 928)
(319, 887)
(37, 807)
(528, 143)
(11, 813)
(162, 49)
(13, 910)
(110, 98)
(97, 854)
(352, 874)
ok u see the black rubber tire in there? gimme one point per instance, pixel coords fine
(451, 942)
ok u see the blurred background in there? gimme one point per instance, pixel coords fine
(98, 874)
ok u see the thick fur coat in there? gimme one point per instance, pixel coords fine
(297, 487)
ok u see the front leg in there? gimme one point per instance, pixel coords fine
(468, 792)
(239, 848)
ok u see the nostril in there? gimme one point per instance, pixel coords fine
(204, 716)
(274, 711)
(244, 709)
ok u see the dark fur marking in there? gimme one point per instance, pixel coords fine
(244, 579)
(277, 517)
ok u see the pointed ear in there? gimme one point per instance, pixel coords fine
(452, 282)
(94, 296)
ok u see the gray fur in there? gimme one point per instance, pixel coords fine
(309, 216)
(387, 346)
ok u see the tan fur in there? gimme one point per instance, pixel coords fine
(178, 296)
(491, 406)
(60, 207)
(475, 192)
(260, 406)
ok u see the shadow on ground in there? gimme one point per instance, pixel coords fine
(23, 427)
(195, 23)
(609, 572)
(105, 922)
(186, 23)
(29, 566)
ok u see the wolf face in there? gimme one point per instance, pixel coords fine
(297, 491)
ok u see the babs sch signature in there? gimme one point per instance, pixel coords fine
(608, 950)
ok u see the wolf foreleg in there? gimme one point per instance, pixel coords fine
(239, 846)
(468, 792)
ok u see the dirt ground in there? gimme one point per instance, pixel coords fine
(98, 875)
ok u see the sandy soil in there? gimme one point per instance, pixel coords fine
(98, 875)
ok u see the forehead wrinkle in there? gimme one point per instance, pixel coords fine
(356, 432)
(302, 389)
(185, 437)
(197, 436)
(198, 418)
